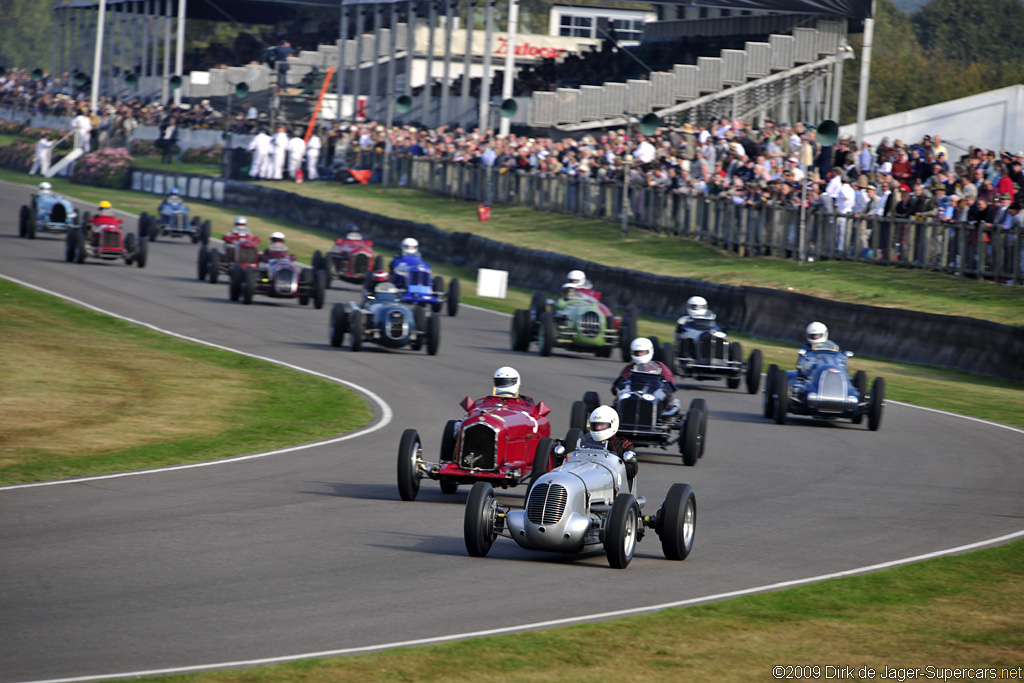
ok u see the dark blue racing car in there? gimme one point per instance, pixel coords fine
(821, 387)
(382, 318)
(412, 275)
(173, 218)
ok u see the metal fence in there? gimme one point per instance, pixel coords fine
(749, 229)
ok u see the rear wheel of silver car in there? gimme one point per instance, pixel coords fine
(355, 328)
(781, 407)
(690, 444)
(860, 383)
(433, 334)
(620, 531)
(546, 336)
(319, 288)
(409, 459)
(479, 526)
(339, 325)
(578, 415)
(754, 364)
(677, 522)
(769, 392)
(214, 266)
(876, 403)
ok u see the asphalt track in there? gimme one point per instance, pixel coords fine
(312, 550)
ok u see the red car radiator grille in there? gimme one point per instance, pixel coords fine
(110, 240)
(479, 448)
(360, 264)
(247, 255)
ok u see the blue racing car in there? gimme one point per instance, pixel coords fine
(821, 387)
(411, 274)
(46, 212)
(173, 218)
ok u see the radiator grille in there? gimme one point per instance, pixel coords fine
(546, 504)
(636, 413)
(396, 325)
(831, 391)
(710, 346)
(110, 240)
(479, 445)
(360, 264)
(247, 254)
(590, 324)
(284, 281)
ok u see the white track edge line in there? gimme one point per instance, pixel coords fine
(545, 624)
(386, 413)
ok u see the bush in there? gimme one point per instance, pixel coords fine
(203, 155)
(109, 167)
(17, 155)
(144, 148)
(11, 127)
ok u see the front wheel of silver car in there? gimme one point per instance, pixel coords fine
(410, 455)
(479, 526)
(620, 532)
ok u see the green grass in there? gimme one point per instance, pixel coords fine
(599, 241)
(962, 611)
(933, 387)
(155, 164)
(91, 394)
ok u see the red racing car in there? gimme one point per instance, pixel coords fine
(241, 249)
(503, 441)
(101, 236)
(350, 259)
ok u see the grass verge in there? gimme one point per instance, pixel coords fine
(599, 241)
(951, 612)
(91, 394)
(155, 164)
(933, 387)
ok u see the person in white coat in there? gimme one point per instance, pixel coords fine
(312, 157)
(296, 150)
(82, 127)
(260, 148)
(280, 141)
(41, 160)
(844, 205)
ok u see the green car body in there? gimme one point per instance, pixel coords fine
(579, 323)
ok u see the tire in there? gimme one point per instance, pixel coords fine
(578, 416)
(656, 345)
(249, 285)
(620, 532)
(408, 471)
(419, 314)
(690, 443)
(433, 334)
(235, 283)
(628, 332)
(541, 461)
(319, 287)
(378, 263)
(25, 227)
(754, 364)
(144, 225)
(152, 228)
(355, 328)
(701, 406)
(85, 220)
(860, 383)
(572, 439)
(305, 283)
(781, 396)
(520, 332)
(69, 244)
(591, 400)
(735, 354)
(214, 266)
(438, 289)
(204, 232)
(546, 336)
(449, 439)
(318, 260)
(478, 526)
(769, 392)
(677, 522)
(668, 356)
(339, 325)
(876, 404)
(196, 221)
(538, 304)
(79, 246)
(142, 255)
(203, 263)
(130, 247)
(454, 292)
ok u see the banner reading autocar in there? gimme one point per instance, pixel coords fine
(531, 47)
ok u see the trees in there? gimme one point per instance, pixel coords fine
(26, 34)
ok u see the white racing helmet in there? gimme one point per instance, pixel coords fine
(641, 350)
(577, 277)
(506, 381)
(604, 422)
(696, 307)
(242, 224)
(276, 237)
(45, 187)
(410, 246)
(817, 333)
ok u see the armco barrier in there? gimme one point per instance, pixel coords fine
(957, 342)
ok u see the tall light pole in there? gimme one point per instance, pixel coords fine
(510, 62)
(97, 58)
(179, 52)
(865, 73)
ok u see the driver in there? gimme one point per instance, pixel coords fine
(604, 423)
(352, 232)
(173, 198)
(45, 188)
(817, 338)
(239, 231)
(696, 309)
(569, 291)
(641, 353)
(277, 248)
(375, 280)
(506, 384)
(410, 247)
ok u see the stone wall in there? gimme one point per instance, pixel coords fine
(957, 342)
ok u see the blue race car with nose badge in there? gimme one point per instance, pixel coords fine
(382, 318)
